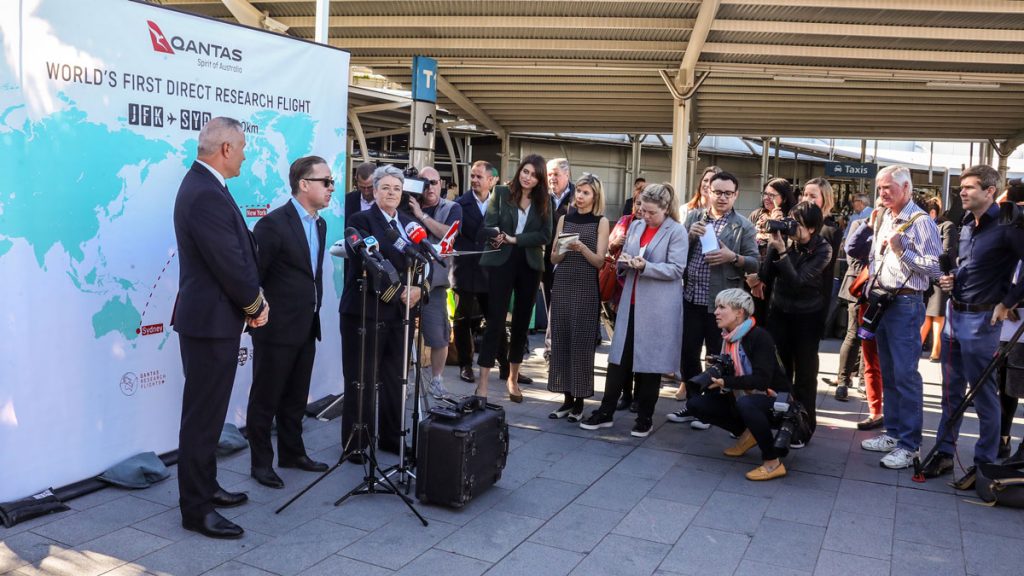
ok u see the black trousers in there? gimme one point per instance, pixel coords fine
(462, 327)
(796, 340)
(280, 389)
(748, 412)
(849, 352)
(619, 376)
(387, 360)
(699, 329)
(514, 277)
(209, 365)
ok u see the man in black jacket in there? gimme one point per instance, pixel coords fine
(218, 294)
(291, 240)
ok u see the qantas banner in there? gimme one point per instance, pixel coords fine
(101, 103)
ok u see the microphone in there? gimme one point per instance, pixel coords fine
(400, 244)
(361, 246)
(338, 249)
(945, 263)
(417, 234)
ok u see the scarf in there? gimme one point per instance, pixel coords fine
(731, 343)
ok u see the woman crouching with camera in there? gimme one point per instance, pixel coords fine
(741, 400)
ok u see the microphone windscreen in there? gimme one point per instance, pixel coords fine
(338, 249)
(945, 264)
(416, 232)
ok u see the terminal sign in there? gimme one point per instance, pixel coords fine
(424, 73)
(851, 169)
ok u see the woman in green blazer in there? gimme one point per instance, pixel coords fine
(521, 213)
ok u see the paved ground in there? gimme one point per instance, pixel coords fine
(570, 502)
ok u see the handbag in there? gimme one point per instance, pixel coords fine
(857, 286)
(607, 279)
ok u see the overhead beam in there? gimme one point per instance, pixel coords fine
(249, 15)
(986, 6)
(495, 22)
(868, 31)
(460, 100)
(429, 45)
(694, 47)
(887, 54)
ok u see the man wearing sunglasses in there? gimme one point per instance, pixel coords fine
(291, 240)
(437, 215)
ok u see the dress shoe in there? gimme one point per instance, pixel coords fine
(761, 473)
(745, 442)
(842, 393)
(267, 477)
(870, 423)
(356, 458)
(304, 463)
(939, 465)
(517, 398)
(624, 403)
(521, 379)
(466, 374)
(966, 482)
(214, 525)
(224, 499)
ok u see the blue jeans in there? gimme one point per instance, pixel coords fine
(969, 342)
(899, 347)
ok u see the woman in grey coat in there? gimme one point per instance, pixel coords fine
(653, 261)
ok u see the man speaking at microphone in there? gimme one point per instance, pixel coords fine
(982, 297)
(383, 319)
(291, 240)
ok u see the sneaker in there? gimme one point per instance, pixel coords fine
(597, 420)
(842, 393)
(680, 416)
(880, 443)
(437, 389)
(698, 425)
(899, 459)
(642, 428)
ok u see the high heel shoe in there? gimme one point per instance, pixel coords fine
(517, 398)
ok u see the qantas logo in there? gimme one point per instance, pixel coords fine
(160, 43)
(165, 45)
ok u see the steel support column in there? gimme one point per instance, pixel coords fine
(680, 137)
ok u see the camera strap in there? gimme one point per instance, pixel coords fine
(885, 252)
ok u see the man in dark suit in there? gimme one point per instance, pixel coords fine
(291, 240)
(362, 197)
(384, 320)
(562, 190)
(218, 294)
(468, 279)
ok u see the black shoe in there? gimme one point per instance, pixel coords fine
(966, 482)
(224, 499)
(1004, 447)
(634, 406)
(356, 458)
(562, 411)
(523, 379)
(842, 394)
(466, 374)
(830, 381)
(1018, 456)
(304, 463)
(870, 423)
(940, 465)
(267, 477)
(597, 420)
(642, 428)
(624, 403)
(213, 525)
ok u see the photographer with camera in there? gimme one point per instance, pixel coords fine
(738, 390)
(797, 258)
(982, 297)
(904, 259)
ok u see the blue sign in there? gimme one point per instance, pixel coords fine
(424, 74)
(851, 169)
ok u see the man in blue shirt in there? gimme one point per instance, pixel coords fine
(982, 297)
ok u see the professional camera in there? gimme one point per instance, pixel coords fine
(412, 185)
(785, 226)
(792, 419)
(718, 366)
(1009, 212)
(878, 301)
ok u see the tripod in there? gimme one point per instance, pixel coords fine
(366, 451)
(954, 420)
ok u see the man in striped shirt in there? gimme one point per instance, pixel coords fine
(904, 260)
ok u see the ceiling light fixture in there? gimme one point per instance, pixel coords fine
(826, 79)
(964, 85)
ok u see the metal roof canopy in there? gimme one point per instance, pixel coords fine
(885, 69)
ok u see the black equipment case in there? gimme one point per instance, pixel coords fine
(461, 452)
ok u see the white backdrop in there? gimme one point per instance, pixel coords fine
(100, 106)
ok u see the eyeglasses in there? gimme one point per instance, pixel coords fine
(328, 182)
(723, 193)
(770, 194)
